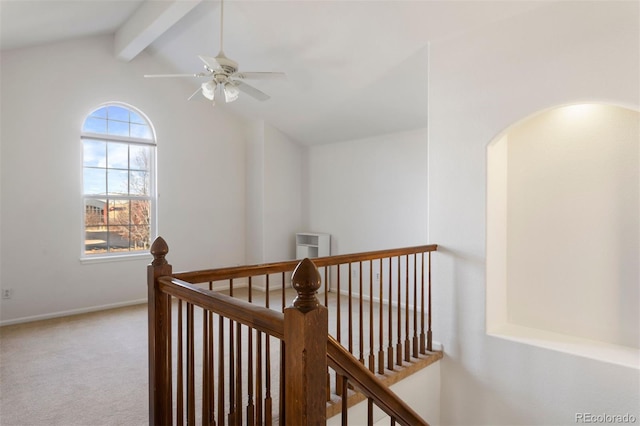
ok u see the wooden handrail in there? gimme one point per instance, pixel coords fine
(257, 317)
(233, 272)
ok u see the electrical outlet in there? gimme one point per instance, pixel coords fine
(377, 277)
(7, 293)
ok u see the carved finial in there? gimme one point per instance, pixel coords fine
(159, 250)
(306, 281)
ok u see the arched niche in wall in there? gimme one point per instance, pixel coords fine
(563, 232)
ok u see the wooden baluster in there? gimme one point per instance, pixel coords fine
(221, 372)
(422, 311)
(238, 397)
(259, 412)
(338, 329)
(281, 410)
(350, 311)
(180, 373)
(283, 381)
(327, 273)
(305, 335)
(205, 367)
(268, 411)
(283, 292)
(369, 412)
(266, 287)
(159, 312)
(250, 407)
(372, 358)
(390, 303)
(381, 324)
(345, 405)
(338, 310)
(212, 374)
(407, 311)
(360, 317)
(326, 286)
(415, 306)
(191, 386)
(232, 375)
(429, 335)
(399, 319)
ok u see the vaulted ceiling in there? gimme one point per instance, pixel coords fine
(354, 68)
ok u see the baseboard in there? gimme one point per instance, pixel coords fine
(72, 312)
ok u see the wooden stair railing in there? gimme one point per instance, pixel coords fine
(344, 363)
(305, 353)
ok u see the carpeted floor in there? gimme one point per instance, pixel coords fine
(86, 369)
(91, 369)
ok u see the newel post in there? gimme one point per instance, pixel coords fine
(305, 334)
(159, 305)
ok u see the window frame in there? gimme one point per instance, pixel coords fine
(153, 193)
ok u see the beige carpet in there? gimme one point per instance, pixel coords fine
(87, 369)
(91, 369)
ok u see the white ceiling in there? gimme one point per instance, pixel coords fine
(354, 68)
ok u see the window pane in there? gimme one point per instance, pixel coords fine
(94, 153)
(95, 125)
(95, 240)
(140, 212)
(94, 181)
(118, 113)
(94, 213)
(140, 157)
(139, 183)
(139, 239)
(118, 128)
(136, 118)
(118, 212)
(118, 182)
(118, 237)
(100, 113)
(118, 155)
(141, 131)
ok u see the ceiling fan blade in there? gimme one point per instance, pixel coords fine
(251, 91)
(201, 74)
(210, 61)
(259, 75)
(196, 93)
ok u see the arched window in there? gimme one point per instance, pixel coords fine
(119, 191)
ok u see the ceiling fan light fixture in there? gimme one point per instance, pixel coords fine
(231, 92)
(209, 89)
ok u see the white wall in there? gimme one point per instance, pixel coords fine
(283, 168)
(46, 93)
(370, 193)
(255, 193)
(480, 84)
(274, 194)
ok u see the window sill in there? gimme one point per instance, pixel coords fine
(601, 351)
(116, 258)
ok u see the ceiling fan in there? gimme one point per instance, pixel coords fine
(223, 77)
